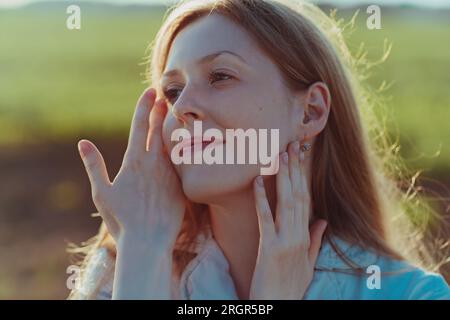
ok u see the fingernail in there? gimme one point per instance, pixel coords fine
(83, 148)
(285, 158)
(80, 149)
(260, 181)
(150, 92)
(296, 147)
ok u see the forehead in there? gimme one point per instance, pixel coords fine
(207, 35)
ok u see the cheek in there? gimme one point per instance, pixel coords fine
(273, 110)
(227, 109)
(237, 106)
(260, 106)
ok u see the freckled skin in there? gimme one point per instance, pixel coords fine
(255, 98)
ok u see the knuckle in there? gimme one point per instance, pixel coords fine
(300, 195)
(141, 119)
(157, 125)
(141, 123)
(297, 194)
(135, 164)
(91, 163)
(288, 203)
(289, 245)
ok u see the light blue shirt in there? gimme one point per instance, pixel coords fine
(381, 277)
(207, 277)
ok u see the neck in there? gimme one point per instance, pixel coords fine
(234, 225)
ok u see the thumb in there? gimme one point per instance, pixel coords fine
(95, 167)
(316, 232)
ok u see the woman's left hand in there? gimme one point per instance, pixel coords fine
(288, 248)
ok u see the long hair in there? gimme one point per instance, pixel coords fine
(355, 185)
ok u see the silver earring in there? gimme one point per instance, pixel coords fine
(305, 147)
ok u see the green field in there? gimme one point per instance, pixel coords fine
(56, 83)
(58, 86)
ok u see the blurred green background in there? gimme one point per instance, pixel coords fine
(58, 86)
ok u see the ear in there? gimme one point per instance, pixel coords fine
(316, 106)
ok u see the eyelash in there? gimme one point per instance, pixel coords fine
(168, 93)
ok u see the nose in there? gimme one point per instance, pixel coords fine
(186, 110)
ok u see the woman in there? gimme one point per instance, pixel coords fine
(315, 229)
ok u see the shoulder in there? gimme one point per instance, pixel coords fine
(377, 277)
(406, 281)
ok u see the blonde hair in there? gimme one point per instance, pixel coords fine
(355, 168)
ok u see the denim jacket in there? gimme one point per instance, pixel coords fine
(207, 277)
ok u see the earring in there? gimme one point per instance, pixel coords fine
(306, 146)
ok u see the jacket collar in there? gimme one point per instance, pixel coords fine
(327, 259)
(209, 270)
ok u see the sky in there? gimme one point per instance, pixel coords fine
(427, 3)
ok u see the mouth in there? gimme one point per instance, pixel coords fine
(191, 147)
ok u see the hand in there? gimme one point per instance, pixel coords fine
(287, 248)
(145, 201)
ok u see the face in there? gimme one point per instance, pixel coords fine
(240, 88)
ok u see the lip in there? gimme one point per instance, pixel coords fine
(191, 143)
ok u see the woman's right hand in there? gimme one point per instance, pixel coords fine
(145, 202)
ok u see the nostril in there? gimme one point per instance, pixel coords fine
(195, 116)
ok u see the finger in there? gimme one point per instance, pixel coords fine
(303, 195)
(316, 233)
(295, 177)
(294, 168)
(95, 167)
(140, 124)
(265, 219)
(285, 202)
(157, 116)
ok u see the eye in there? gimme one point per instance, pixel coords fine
(171, 94)
(219, 76)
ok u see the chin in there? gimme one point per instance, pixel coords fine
(208, 184)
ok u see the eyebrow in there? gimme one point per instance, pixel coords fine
(206, 59)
